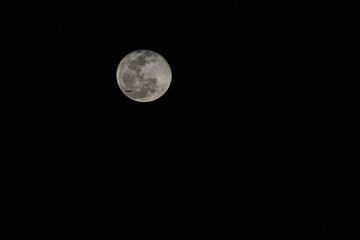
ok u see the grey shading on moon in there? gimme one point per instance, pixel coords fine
(143, 75)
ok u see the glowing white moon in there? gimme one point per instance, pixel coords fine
(143, 75)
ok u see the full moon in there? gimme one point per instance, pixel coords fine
(143, 75)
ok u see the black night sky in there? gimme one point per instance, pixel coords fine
(233, 149)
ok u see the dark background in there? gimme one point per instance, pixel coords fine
(233, 150)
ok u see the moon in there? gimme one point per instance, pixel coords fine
(143, 75)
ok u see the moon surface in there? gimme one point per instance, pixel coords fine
(143, 75)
